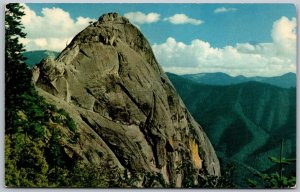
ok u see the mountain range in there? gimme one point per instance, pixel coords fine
(286, 80)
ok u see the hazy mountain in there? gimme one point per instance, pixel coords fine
(286, 81)
(35, 57)
(245, 122)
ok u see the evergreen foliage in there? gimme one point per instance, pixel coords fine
(17, 75)
(275, 180)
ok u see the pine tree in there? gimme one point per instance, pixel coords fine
(17, 74)
(275, 180)
(23, 155)
(16, 71)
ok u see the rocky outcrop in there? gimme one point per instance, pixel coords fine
(124, 105)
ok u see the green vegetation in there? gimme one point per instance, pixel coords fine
(273, 180)
(27, 133)
(201, 179)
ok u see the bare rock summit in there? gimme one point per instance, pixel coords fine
(126, 109)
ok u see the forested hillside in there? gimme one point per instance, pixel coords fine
(245, 122)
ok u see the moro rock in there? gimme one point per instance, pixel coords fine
(126, 109)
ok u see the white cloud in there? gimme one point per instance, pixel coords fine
(264, 59)
(183, 19)
(42, 42)
(52, 30)
(224, 10)
(140, 18)
(284, 36)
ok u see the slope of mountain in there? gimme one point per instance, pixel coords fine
(35, 57)
(110, 83)
(286, 80)
(245, 122)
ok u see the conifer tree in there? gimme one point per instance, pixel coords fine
(17, 74)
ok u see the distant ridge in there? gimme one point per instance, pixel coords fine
(286, 80)
(35, 57)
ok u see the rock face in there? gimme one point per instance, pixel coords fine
(124, 105)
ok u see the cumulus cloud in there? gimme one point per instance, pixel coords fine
(52, 30)
(224, 10)
(140, 18)
(183, 19)
(264, 59)
(284, 36)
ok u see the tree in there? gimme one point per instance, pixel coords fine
(17, 74)
(16, 70)
(275, 180)
(24, 162)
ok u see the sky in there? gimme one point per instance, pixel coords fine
(237, 39)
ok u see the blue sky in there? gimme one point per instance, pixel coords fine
(218, 30)
(249, 23)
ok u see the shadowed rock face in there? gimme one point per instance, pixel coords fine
(110, 83)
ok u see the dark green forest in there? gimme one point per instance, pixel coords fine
(245, 123)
